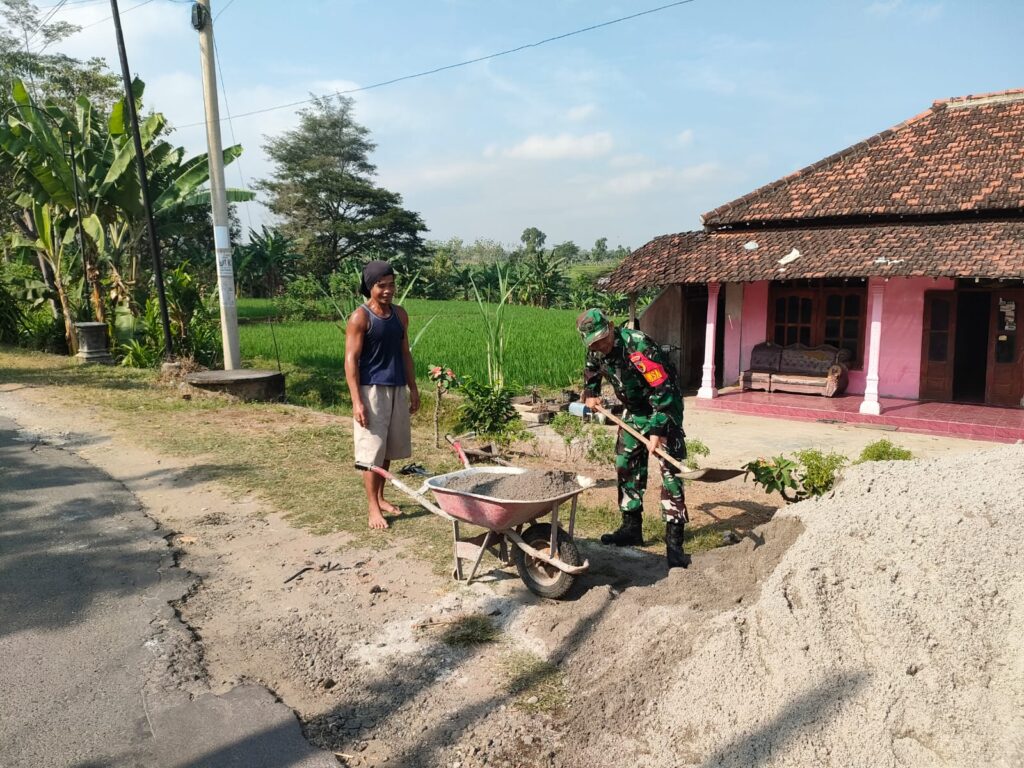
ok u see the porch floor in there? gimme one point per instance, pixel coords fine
(975, 422)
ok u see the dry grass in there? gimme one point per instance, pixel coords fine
(537, 684)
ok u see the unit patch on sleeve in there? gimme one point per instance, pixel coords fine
(654, 373)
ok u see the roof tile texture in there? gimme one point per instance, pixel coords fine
(990, 249)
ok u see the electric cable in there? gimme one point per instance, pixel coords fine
(454, 66)
(231, 126)
(226, 6)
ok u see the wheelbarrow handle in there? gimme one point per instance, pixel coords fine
(365, 467)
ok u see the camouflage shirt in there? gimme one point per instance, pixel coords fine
(643, 379)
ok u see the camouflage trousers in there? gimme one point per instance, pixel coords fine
(631, 470)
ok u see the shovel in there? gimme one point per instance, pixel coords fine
(704, 475)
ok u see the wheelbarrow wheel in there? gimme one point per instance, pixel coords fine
(542, 578)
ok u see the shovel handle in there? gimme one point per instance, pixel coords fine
(660, 452)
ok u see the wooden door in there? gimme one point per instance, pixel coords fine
(1005, 382)
(937, 345)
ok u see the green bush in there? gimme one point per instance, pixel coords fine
(812, 474)
(41, 331)
(488, 410)
(600, 445)
(883, 450)
(10, 316)
(301, 300)
(818, 474)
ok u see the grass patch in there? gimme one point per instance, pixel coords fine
(472, 629)
(591, 522)
(537, 684)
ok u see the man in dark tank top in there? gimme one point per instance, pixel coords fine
(379, 371)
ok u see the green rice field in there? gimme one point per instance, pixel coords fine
(542, 346)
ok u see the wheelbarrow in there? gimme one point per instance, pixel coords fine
(544, 553)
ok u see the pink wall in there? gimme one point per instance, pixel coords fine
(732, 294)
(899, 364)
(753, 321)
(899, 369)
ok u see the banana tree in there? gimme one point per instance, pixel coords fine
(112, 211)
(50, 237)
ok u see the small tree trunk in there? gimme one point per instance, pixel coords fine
(69, 321)
(437, 419)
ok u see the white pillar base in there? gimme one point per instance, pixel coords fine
(871, 408)
(707, 393)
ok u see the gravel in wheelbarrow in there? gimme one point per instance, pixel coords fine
(532, 485)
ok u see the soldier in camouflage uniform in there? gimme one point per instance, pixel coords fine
(645, 383)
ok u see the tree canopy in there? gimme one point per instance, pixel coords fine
(323, 189)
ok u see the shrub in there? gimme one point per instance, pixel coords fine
(571, 429)
(10, 316)
(818, 473)
(41, 331)
(883, 450)
(301, 299)
(600, 445)
(487, 410)
(812, 474)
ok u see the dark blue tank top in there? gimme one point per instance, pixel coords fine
(381, 361)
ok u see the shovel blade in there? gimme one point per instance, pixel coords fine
(711, 475)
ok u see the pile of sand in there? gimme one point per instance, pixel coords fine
(889, 634)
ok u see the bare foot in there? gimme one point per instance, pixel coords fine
(377, 521)
(387, 506)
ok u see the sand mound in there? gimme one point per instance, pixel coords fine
(889, 635)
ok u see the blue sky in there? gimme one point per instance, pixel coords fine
(626, 132)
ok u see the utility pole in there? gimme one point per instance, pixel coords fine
(202, 21)
(140, 164)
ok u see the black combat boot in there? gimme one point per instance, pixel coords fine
(674, 546)
(630, 533)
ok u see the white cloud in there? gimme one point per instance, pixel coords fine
(581, 112)
(561, 147)
(634, 182)
(628, 161)
(685, 138)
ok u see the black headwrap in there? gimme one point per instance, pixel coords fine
(372, 273)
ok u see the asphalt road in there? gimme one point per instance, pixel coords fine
(95, 668)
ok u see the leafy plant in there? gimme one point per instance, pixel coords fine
(487, 410)
(779, 475)
(812, 474)
(10, 316)
(600, 445)
(818, 473)
(494, 326)
(883, 450)
(695, 448)
(300, 300)
(571, 429)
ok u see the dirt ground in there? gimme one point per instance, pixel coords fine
(353, 638)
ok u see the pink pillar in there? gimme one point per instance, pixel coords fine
(870, 404)
(707, 384)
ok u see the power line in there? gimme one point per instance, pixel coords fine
(231, 125)
(44, 22)
(105, 18)
(456, 65)
(226, 6)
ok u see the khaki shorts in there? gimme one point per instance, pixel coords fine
(387, 434)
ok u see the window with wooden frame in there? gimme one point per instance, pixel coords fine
(820, 312)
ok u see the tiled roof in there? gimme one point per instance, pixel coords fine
(986, 249)
(962, 155)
